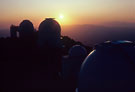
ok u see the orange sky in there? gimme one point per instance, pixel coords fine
(73, 11)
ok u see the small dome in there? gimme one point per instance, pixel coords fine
(77, 50)
(49, 33)
(109, 67)
(26, 28)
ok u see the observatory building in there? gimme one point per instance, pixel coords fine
(77, 51)
(26, 29)
(50, 44)
(72, 63)
(49, 33)
(13, 31)
(109, 68)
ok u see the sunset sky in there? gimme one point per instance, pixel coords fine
(67, 12)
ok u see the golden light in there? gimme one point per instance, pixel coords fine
(61, 19)
(61, 16)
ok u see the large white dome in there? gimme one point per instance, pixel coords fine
(110, 67)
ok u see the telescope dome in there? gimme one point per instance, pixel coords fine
(77, 50)
(110, 67)
(26, 29)
(49, 33)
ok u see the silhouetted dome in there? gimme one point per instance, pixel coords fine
(49, 33)
(26, 29)
(109, 67)
(72, 63)
(77, 50)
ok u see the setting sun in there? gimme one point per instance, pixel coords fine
(63, 19)
(61, 16)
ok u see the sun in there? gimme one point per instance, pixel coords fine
(61, 16)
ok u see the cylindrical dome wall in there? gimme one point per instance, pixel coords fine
(109, 68)
(26, 29)
(49, 33)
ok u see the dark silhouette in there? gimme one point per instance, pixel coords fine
(32, 61)
(49, 42)
(109, 68)
(67, 43)
(26, 29)
(49, 33)
(72, 64)
(13, 31)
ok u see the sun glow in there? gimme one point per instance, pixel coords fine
(61, 16)
(61, 19)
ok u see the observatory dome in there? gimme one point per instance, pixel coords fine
(77, 50)
(49, 33)
(26, 29)
(109, 67)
